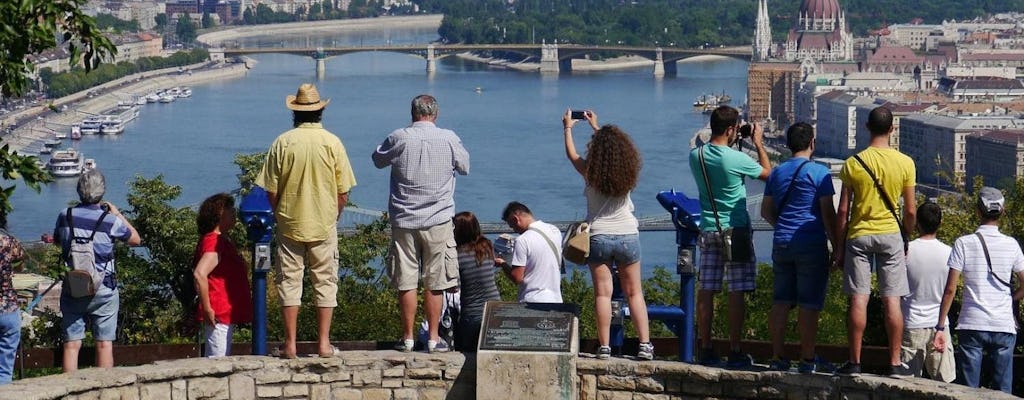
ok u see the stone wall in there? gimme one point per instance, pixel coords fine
(390, 375)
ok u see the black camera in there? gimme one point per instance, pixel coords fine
(746, 131)
(578, 115)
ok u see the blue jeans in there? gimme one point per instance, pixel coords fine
(10, 335)
(998, 347)
(801, 275)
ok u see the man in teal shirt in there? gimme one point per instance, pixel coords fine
(718, 166)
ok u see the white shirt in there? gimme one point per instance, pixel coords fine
(987, 303)
(926, 274)
(610, 215)
(542, 280)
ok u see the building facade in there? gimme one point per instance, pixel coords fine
(995, 155)
(836, 131)
(771, 89)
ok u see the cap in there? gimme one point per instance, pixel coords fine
(990, 199)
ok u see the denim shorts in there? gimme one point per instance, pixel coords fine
(801, 276)
(619, 250)
(100, 310)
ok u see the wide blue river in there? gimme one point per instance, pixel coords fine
(511, 127)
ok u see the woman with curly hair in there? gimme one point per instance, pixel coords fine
(220, 276)
(610, 171)
(476, 278)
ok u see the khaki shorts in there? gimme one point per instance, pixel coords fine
(917, 352)
(889, 260)
(322, 258)
(432, 248)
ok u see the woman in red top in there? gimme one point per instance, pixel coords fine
(220, 275)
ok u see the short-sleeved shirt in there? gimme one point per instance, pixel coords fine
(869, 214)
(726, 170)
(83, 220)
(987, 303)
(423, 160)
(799, 222)
(542, 280)
(230, 296)
(10, 252)
(610, 215)
(306, 168)
(926, 276)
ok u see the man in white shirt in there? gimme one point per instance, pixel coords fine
(536, 257)
(926, 275)
(986, 259)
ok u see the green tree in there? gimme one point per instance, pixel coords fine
(186, 29)
(110, 22)
(207, 20)
(161, 21)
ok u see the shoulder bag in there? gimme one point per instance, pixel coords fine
(576, 246)
(792, 182)
(885, 199)
(736, 243)
(561, 261)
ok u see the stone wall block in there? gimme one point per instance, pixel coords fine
(273, 376)
(331, 377)
(394, 373)
(672, 385)
(439, 394)
(155, 391)
(406, 394)
(110, 394)
(770, 392)
(208, 388)
(346, 394)
(370, 377)
(650, 385)
(650, 396)
(129, 393)
(423, 373)
(607, 382)
(609, 395)
(856, 396)
(241, 387)
(692, 387)
(268, 391)
(179, 390)
(306, 377)
(377, 394)
(391, 383)
(740, 391)
(320, 391)
(295, 390)
(588, 387)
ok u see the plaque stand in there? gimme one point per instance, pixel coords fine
(528, 351)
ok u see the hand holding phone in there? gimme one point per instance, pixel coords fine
(578, 115)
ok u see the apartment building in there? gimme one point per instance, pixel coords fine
(995, 155)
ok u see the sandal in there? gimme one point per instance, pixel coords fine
(333, 353)
(279, 352)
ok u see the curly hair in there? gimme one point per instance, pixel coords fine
(209, 212)
(469, 238)
(613, 162)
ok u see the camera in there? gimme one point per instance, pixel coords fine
(746, 131)
(579, 115)
(504, 245)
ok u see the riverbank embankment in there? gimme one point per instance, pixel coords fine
(40, 122)
(223, 37)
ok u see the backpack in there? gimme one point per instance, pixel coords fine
(449, 326)
(84, 277)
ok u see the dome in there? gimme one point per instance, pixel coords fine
(820, 9)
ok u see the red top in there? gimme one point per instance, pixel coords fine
(230, 295)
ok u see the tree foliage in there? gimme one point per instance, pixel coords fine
(75, 80)
(185, 29)
(109, 22)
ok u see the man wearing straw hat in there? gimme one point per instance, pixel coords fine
(307, 177)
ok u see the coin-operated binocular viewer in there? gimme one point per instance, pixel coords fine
(257, 215)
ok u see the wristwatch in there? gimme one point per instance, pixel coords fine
(940, 328)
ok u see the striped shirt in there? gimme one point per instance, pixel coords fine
(83, 219)
(987, 304)
(423, 160)
(476, 283)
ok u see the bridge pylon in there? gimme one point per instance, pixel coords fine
(659, 63)
(321, 62)
(431, 59)
(549, 58)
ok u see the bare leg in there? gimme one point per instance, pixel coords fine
(407, 309)
(777, 328)
(70, 358)
(705, 314)
(602, 277)
(807, 324)
(432, 308)
(857, 320)
(104, 354)
(737, 314)
(630, 280)
(893, 327)
(323, 320)
(290, 315)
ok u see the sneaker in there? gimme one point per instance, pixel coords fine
(850, 368)
(604, 352)
(779, 364)
(739, 360)
(708, 358)
(899, 371)
(817, 364)
(405, 345)
(437, 347)
(646, 351)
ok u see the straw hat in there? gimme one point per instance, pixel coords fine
(307, 98)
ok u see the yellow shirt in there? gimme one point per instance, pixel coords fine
(306, 168)
(895, 171)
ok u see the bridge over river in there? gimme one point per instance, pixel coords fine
(553, 58)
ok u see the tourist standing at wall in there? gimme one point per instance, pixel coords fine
(424, 160)
(926, 277)
(874, 237)
(476, 279)
(798, 203)
(11, 255)
(726, 245)
(536, 257)
(986, 259)
(102, 222)
(220, 276)
(307, 177)
(610, 171)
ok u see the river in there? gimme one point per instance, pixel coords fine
(511, 127)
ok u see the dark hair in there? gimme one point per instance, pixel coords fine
(879, 121)
(514, 207)
(423, 105)
(613, 162)
(929, 217)
(723, 118)
(799, 137)
(210, 211)
(303, 117)
(469, 237)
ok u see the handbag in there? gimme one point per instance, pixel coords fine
(577, 243)
(736, 244)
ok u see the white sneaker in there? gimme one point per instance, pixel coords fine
(405, 345)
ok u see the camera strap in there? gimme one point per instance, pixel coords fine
(707, 184)
(792, 182)
(885, 199)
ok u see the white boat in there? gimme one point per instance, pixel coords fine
(76, 132)
(167, 98)
(67, 162)
(112, 126)
(152, 98)
(185, 92)
(91, 125)
(89, 165)
(126, 113)
(52, 142)
(174, 91)
(45, 150)
(60, 135)
(140, 100)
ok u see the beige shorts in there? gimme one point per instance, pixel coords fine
(917, 352)
(322, 258)
(886, 253)
(432, 248)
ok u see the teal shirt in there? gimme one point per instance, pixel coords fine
(726, 168)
